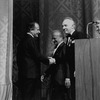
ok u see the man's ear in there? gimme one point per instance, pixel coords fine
(74, 26)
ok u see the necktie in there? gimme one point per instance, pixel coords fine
(68, 39)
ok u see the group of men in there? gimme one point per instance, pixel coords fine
(61, 65)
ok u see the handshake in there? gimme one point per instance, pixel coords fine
(52, 60)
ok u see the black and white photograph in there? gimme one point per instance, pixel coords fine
(49, 49)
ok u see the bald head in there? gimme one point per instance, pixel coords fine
(58, 33)
(57, 37)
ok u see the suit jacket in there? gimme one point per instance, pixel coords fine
(70, 52)
(60, 70)
(29, 58)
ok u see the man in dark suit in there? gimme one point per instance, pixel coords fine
(59, 72)
(69, 28)
(28, 60)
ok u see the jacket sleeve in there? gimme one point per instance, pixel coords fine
(63, 60)
(36, 53)
(49, 71)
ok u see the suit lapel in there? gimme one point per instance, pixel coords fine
(57, 50)
(74, 35)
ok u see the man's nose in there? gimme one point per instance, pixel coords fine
(64, 27)
(38, 31)
(53, 40)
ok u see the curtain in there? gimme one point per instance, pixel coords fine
(24, 12)
(52, 13)
(6, 49)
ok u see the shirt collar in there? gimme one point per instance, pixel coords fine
(72, 32)
(57, 47)
(30, 34)
(60, 44)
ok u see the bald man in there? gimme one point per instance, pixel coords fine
(59, 72)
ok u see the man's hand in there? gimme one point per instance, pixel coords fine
(42, 77)
(51, 60)
(67, 82)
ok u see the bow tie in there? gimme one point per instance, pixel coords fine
(69, 39)
(69, 35)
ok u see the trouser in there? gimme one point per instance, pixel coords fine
(30, 89)
(59, 92)
(73, 89)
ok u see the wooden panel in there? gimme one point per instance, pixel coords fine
(87, 63)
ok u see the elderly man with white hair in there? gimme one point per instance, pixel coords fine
(69, 28)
